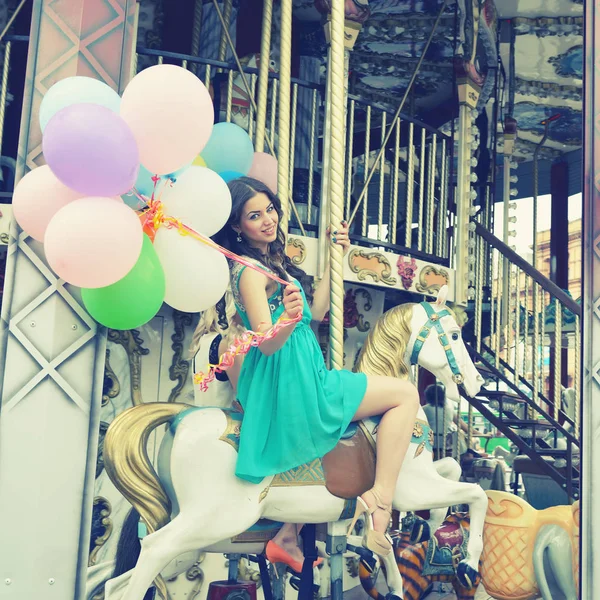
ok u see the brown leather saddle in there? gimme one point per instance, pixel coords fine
(349, 469)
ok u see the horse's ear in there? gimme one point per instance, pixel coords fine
(442, 295)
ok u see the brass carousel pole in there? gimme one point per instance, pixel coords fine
(341, 36)
(283, 124)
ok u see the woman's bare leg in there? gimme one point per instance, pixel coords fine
(398, 402)
(287, 538)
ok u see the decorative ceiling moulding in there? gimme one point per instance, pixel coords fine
(548, 26)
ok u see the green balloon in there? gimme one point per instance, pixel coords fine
(133, 300)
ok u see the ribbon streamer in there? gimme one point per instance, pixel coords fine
(154, 218)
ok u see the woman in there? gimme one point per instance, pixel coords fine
(295, 409)
(217, 328)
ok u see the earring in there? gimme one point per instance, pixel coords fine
(238, 239)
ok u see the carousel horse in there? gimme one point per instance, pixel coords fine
(529, 552)
(193, 504)
(423, 563)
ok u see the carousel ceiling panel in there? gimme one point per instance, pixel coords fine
(508, 9)
(548, 76)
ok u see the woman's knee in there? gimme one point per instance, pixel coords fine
(407, 395)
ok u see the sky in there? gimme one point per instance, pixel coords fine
(524, 225)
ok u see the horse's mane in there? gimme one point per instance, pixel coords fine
(385, 346)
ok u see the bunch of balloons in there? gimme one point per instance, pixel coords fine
(105, 155)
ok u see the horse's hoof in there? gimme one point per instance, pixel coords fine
(420, 531)
(467, 575)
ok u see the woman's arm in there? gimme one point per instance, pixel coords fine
(253, 289)
(321, 298)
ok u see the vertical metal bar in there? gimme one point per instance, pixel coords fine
(576, 383)
(207, 76)
(160, 60)
(509, 313)
(557, 357)
(274, 87)
(4, 89)
(493, 300)
(367, 166)
(263, 75)
(311, 154)
(381, 179)
(349, 159)
(229, 96)
(395, 183)
(431, 194)
(542, 340)
(283, 121)
(251, 106)
(421, 189)
(227, 5)
(410, 186)
(293, 137)
(499, 323)
(196, 32)
(536, 340)
(184, 63)
(526, 327)
(441, 222)
(517, 325)
(481, 281)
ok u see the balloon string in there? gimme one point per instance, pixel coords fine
(154, 218)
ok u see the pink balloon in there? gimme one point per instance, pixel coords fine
(93, 242)
(39, 195)
(171, 115)
(264, 168)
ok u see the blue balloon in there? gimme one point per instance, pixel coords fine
(144, 185)
(229, 149)
(77, 90)
(228, 176)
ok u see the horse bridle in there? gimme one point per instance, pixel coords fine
(433, 322)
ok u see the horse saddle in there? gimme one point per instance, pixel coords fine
(349, 469)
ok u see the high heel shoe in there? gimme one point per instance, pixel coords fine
(276, 554)
(375, 541)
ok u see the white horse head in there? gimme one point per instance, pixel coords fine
(436, 344)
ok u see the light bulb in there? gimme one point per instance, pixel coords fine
(471, 293)
(473, 177)
(512, 219)
(474, 161)
(512, 205)
(473, 194)
(513, 164)
(514, 192)
(514, 179)
(472, 226)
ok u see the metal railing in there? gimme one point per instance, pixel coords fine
(407, 204)
(532, 334)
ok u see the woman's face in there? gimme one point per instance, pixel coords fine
(258, 221)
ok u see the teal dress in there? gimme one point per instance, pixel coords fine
(295, 409)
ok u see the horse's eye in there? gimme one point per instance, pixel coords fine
(455, 337)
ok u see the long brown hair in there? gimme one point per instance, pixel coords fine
(242, 190)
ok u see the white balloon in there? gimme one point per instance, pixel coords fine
(196, 276)
(200, 199)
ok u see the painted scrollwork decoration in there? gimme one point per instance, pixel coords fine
(102, 527)
(100, 457)
(431, 279)
(111, 388)
(196, 573)
(372, 264)
(133, 344)
(296, 250)
(180, 368)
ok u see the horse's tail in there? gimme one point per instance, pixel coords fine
(128, 466)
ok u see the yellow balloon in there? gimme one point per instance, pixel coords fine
(199, 161)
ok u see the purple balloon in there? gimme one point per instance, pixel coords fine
(91, 150)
